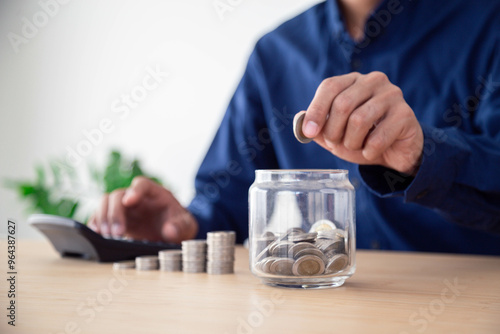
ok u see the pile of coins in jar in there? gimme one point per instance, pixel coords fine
(321, 251)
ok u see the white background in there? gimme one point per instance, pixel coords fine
(64, 80)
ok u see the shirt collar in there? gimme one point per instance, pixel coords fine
(336, 20)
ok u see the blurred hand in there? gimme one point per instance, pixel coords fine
(365, 119)
(146, 210)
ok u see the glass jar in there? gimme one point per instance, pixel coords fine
(302, 228)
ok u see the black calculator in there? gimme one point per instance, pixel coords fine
(73, 239)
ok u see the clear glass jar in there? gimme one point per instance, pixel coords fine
(302, 228)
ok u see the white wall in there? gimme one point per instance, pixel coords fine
(66, 76)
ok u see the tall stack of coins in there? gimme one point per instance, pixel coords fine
(220, 252)
(194, 256)
(321, 251)
(146, 263)
(170, 260)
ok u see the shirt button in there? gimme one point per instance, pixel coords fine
(356, 64)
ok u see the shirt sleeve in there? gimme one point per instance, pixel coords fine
(459, 176)
(242, 144)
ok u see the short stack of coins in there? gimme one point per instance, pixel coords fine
(321, 251)
(146, 263)
(120, 265)
(220, 252)
(194, 254)
(170, 260)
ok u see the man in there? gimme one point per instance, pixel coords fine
(403, 94)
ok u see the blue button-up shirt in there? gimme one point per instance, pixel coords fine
(444, 55)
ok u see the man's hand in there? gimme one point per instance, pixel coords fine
(146, 210)
(365, 119)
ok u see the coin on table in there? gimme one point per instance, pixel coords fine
(322, 225)
(170, 260)
(123, 265)
(282, 266)
(337, 263)
(146, 263)
(308, 265)
(298, 121)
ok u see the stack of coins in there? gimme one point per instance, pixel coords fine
(220, 252)
(146, 263)
(123, 265)
(194, 256)
(170, 260)
(322, 251)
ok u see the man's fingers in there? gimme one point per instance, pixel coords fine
(362, 121)
(343, 106)
(141, 187)
(179, 228)
(320, 106)
(92, 224)
(382, 137)
(101, 217)
(116, 213)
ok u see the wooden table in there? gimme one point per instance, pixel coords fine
(391, 292)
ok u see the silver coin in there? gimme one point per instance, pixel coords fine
(281, 249)
(146, 263)
(221, 258)
(302, 237)
(337, 263)
(268, 235)
(323, 225)
(170, 253)
(308, 265)
(298, 121)
(282, 266)
(311, 251)
(123, 265)
(220, 271)
(294, 230)
(330, 246)
(298, 247)
(266, 264)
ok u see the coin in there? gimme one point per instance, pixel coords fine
(298, 247)
(123, 265)
(322, 225)
(146, 263)
(282, 266)
(298, 120)
(337, 263)
(330, 245)
(170, 260)
(331, 234)
(310, 251)
(265, 264)
(302, 237)
(194, 256)
(281, 249)
(220, 252)
(308, 265)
